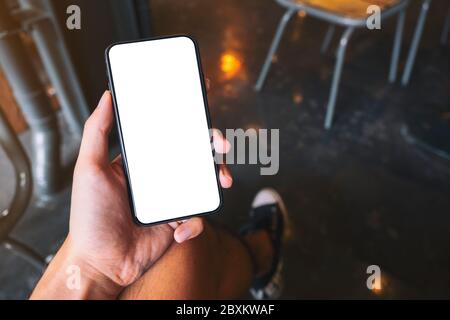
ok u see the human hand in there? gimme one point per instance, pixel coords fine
(102, 234)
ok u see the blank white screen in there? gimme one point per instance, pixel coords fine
(164, 129)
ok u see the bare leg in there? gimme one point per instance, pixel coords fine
(216, 265)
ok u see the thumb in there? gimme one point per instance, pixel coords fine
(94, 145)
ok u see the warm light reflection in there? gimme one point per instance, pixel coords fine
(301, 14)
(376, 289)
(51, 91)
(230, 64)
(297, 98)
(379, 285)
(253, 127)
(445, 116)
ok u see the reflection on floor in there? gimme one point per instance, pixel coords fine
(358, 195)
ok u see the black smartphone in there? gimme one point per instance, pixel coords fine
(163, 122)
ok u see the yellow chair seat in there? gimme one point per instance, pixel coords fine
(354, 9)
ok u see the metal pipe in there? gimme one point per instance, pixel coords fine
(34, 103)
(25, 252)
(56, 63)
(81, 103)
(22, 171)
(22, 195)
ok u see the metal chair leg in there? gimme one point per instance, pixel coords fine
(327, 40)
(340, 57)
(397, 47)
(273, 48)
(444, 36)
(26, 253)
(415, 43)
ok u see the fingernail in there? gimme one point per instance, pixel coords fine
(226, 182)
(225, 174)
(182, 234)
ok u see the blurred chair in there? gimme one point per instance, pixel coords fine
(9, 217)
(418, 36)
(350, 14)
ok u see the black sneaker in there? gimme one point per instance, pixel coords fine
(270, 214)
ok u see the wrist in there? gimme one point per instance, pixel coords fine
(94, 284)
(71, 276)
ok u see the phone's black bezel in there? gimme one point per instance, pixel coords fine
(122, 145)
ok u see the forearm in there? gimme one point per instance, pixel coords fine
(69, 277)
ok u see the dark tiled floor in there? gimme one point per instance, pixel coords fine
(358, 194)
